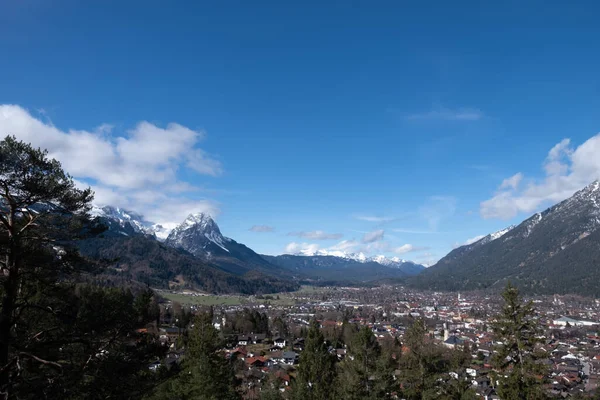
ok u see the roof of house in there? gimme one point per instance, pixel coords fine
(453, 340)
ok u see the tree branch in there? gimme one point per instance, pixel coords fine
(42, 361)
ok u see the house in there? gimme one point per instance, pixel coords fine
(283, 377)
(244, 340)
(490, 394)
(453, 341)
(279, 342)
(154, 366)
(566, 321)
(340, 354)
(483, 382)
(290, 357)
(256, 362)
(240, 352)
(258, 338)
(298, 344)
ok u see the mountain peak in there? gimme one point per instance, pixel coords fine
(591, 191)
(203, 220)
(197, 233)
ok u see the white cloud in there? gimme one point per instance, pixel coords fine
(294, 248)
(567, 170)
(374, 236)
(416, 231)
(473, 240)
(407, 248)
(137, 170)
(426, 259)
(446, 114)
(262, 228)
(345, 245)
(317, 235)
(512, 182)
(436, 209)
(373, 218)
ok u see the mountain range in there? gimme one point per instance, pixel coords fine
(343, 268)
(554, 251)
(198, 241)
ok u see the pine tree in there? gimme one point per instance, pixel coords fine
(206, 374)
(521, 376)
(459, 385)
(316, 372)
(367, 373)
(422, 364)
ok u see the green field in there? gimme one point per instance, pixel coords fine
(208, 300)
(279, 299)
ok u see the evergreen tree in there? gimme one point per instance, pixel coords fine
(385, 384)
(521, 376)
(366, 372)
(206, 374)
(421, 365)
(316, 372)
(457, 384)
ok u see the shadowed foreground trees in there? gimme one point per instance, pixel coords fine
(58, 339)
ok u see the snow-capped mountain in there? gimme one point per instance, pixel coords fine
(161, 232)
(492, 236)
(556, 250)
(389, 261)
(340, 266)
(360, 257)
(124, 222)
(199, 235)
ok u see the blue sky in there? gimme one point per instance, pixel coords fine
(329, 120)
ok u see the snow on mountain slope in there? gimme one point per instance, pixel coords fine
(196, 233)
(392, 262)
(123, 221)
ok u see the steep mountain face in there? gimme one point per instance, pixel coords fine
(555, 251)
(344, 268)
(200, 236)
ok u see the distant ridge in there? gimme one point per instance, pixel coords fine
(350, 267)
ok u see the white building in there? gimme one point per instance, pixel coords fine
(564, 321)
